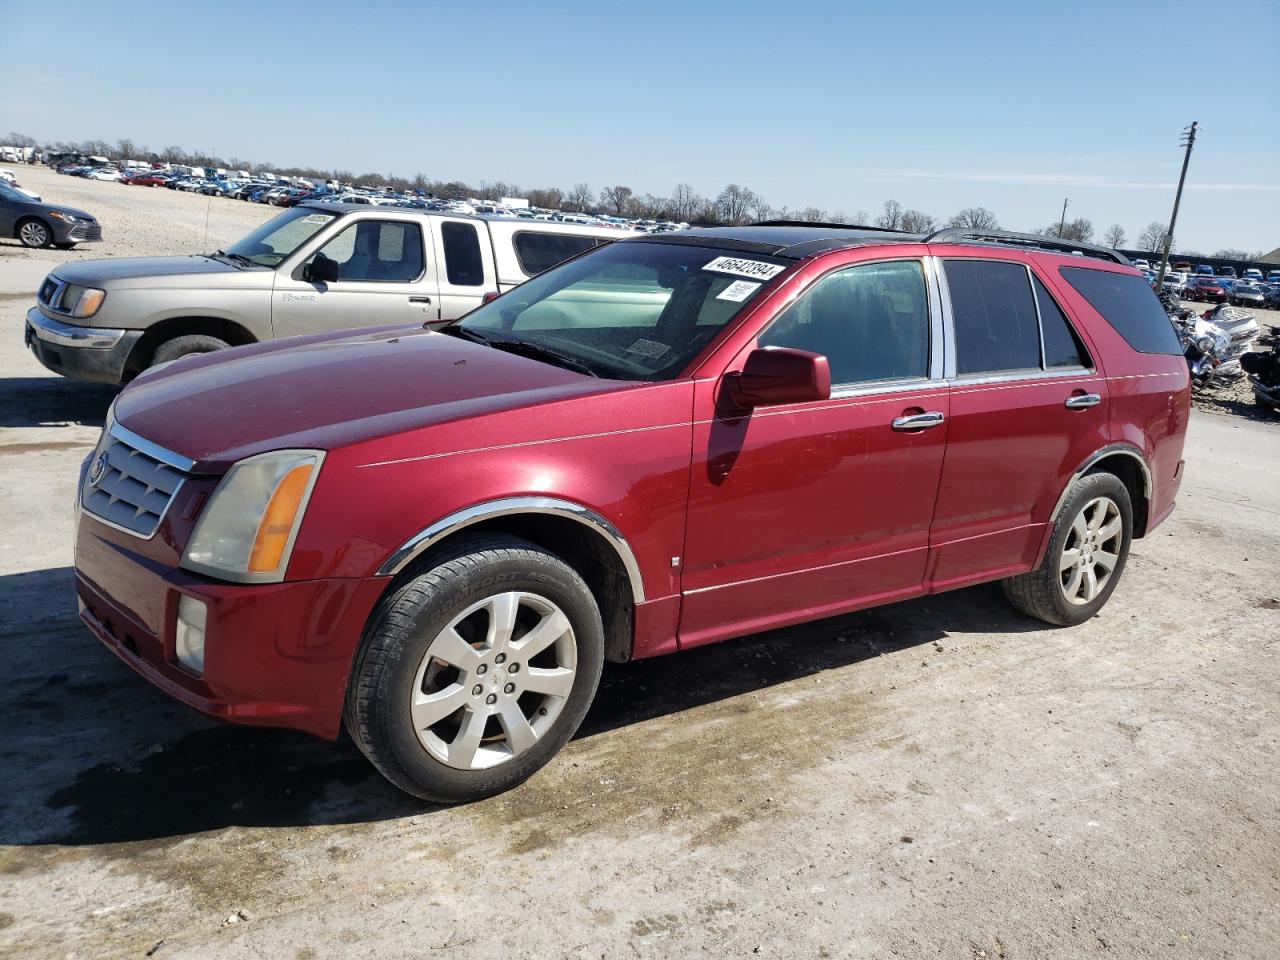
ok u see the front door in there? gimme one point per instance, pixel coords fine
(1027, 406)
(808, 510)
(384, 277)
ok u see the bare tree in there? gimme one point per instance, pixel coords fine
(891, 218)
(1152, 236)
(1114, 236)
(19, 140)
(579, 198)
(684, 202)
(549, 198)
(733, 203)
(813, 215)
(173, 155)
(760, 210)
(1081, 228)
(617, 199)
(975, 218)
(913, 221)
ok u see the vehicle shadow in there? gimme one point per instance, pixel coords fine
(94, 754)
(53, 401)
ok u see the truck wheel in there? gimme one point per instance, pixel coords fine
(1086, 555)
(473, 674)
(34, 233)
(187, 345)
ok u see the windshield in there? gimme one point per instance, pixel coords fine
(280, 236)
(630, 310)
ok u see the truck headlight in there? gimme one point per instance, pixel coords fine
(88, 303)
(246, 532)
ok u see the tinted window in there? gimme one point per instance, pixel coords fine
(462, 260)
(871, 322)
(1129, 305)
(1062, 348)
(542, 251)
(377, 251)
(994, 317)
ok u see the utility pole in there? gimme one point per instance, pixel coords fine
(1063, 222)
(1188, 141)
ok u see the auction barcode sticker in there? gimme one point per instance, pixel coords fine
(738, 291)
(755, 269)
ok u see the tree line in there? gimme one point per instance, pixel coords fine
(734, 205)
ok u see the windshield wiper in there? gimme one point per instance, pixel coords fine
(526, 347)
(540, 352)
(235, 257)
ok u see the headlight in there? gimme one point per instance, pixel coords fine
(64, 217)
(246, 532)
(88, 303)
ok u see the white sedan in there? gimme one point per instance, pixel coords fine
(103, 173)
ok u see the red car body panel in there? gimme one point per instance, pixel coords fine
(737, 521)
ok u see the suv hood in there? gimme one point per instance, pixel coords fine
(330, 390)
(97, 273)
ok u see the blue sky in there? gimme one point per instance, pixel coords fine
(939, 105)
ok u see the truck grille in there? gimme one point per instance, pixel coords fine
(130, 489)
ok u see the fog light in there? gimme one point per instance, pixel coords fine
(189, 638)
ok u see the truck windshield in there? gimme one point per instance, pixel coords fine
(627, 311)
(280, 236)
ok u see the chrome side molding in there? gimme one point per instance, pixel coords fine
(511, 506)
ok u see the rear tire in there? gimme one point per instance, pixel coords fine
(1086, 555)
(185, 346)
(474, 673)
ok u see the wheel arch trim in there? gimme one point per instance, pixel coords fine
(420, 542)
(1111, 449)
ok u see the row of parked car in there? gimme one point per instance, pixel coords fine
(1244, 292)
(282, 192)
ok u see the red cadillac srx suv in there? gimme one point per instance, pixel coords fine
(437, 537)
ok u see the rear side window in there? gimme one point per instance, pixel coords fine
(463, 263)
(1129, 305)
(542, 251)
(1062, 348)
(994, 317)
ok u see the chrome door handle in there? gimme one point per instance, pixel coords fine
(419, 299)
(919, 421)
(1085, 400)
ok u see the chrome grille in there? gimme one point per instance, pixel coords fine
(131, 489)
(86, 231)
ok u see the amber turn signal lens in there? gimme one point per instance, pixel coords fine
(277, 521)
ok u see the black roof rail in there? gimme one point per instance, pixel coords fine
(1040, 241)
(822, 223)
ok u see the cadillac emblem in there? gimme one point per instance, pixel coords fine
(98, 470)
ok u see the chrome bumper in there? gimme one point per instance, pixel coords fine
(97, 354)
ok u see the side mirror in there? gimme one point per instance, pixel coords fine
(776, 375)
(320, 269)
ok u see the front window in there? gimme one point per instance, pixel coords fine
(279, 237)
(631, 310)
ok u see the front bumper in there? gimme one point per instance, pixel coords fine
(275, 654)
(81, 353)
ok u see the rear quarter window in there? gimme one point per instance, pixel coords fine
(1129, 305)
(542, 251)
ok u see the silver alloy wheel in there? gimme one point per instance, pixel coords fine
(494, 680)
(34, 234)
(1091, 552)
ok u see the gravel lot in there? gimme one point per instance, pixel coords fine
(942, 778)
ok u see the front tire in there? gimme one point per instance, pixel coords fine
(35, 233)
(1087, 552)
(474, 673)
(185, 346)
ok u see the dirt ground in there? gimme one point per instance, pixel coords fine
(942, 778)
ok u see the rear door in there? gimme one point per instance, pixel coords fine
(1027, 406)
(466, 270)
(384, 277)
